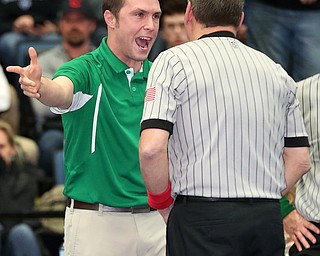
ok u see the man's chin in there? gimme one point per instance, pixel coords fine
(76, 43)
(142, 54)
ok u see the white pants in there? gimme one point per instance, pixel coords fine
(98, 233)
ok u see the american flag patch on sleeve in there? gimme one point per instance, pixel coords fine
(150, 94)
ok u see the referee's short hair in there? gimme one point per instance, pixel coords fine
(213, 13)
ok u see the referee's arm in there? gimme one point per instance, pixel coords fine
(153, 148)
(296, 163)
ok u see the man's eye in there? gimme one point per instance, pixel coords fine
(140, 14)
(156, 16)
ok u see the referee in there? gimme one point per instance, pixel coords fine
(307, 199)
(221, 123)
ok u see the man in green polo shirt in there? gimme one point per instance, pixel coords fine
(100, 96)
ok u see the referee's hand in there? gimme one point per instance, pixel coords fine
(298, 228)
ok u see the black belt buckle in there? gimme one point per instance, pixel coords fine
(140, 209)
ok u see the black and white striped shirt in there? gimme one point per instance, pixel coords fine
(230, 110)
(308, 188)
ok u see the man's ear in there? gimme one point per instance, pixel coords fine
(110, 19)
(189, 14)
(242, 19)
(188, 21)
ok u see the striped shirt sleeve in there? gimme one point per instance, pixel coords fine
(163, 92)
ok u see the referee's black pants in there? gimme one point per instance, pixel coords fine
(314, 249)
(230, 228)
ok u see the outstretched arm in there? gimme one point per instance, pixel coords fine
(53, 93)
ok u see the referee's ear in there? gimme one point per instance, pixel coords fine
(241, 20)
(188, 14)
(188, 17)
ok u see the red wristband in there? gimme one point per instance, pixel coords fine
(162, 200)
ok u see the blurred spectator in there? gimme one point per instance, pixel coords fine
(172, 27)
(101, 30)
(288, 32)
(172, 30)
(9, 112)
(27, 16)
(4, 92)
(9, 106)
(18, 189)
(24, 20)
(20, 241)
(76, 25)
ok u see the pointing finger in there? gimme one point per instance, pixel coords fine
(16, 69)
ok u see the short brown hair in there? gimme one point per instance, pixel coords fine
(213, 13)
(114, 6)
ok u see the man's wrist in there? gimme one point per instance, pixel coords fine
(162, 200)
(41, 85)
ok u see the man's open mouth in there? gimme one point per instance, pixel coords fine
(143, 42)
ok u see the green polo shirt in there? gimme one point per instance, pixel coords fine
(102, 129)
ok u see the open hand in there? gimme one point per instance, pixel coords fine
(298, 228)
